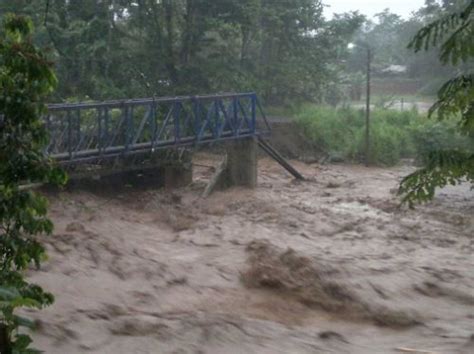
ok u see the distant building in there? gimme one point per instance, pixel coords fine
(395, 69)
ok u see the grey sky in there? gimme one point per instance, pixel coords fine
(371, 7)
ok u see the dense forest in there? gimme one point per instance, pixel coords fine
(121, 48)
(285, 50)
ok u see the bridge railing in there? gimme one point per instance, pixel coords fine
(101, 130)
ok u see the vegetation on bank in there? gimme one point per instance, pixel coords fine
(394, 135)
(124, 49)
(26, 79)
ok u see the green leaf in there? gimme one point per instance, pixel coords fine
(22, 341)
(8, 293)
(23, 321)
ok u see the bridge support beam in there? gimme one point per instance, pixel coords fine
(241, 163)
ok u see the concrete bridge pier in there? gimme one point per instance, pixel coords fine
(241, 169)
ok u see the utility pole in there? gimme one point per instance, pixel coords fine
(367, 109)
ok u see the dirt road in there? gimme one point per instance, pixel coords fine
(331, 265)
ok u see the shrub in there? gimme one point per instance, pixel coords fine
(341, 132)
(432, 136)
(331, 131)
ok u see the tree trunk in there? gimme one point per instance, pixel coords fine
(245, 44)
(188, 32)
(168, 4)
(5, 343)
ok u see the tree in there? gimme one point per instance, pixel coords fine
(284, 50)
(454, 33)
(26, 78)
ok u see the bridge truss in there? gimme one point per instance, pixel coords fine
(88, 132)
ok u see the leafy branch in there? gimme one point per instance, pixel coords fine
(26, 78)
(444, 168)
(455, 35)
(458, 27)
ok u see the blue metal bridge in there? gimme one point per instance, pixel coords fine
(88, 132)
(99, 131)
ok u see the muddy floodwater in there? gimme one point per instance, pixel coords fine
(331, 265)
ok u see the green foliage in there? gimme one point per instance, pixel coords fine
(282, 111)
(341, 132)
(331, 130)
(26, 78)
(443, 168)
(454, 97)
(122, 49)
(454, 33)
(432, 136)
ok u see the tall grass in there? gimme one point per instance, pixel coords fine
(340, 133)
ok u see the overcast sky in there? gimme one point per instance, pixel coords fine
(371, 7)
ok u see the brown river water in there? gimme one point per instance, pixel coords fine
(330, 265)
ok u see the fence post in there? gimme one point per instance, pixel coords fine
(367, 109)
